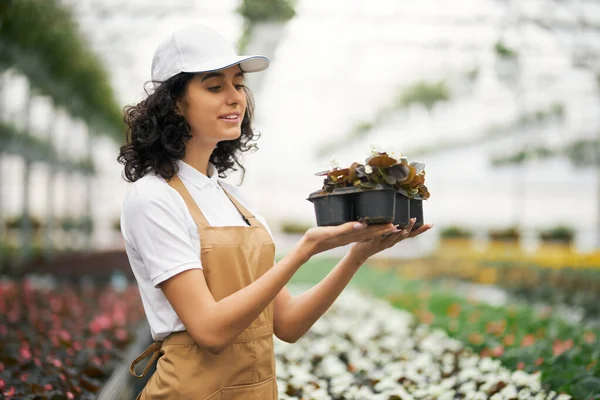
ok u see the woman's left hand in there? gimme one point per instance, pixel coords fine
(364, 250)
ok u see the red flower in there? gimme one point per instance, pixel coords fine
(528, 340)
(498, 351)
(559, 347)
(539, 361)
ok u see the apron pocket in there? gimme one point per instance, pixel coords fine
(265, 359)
(265, 390)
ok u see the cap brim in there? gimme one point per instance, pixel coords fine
(247, 64)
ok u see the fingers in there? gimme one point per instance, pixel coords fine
(377, 230)
(420, 230)
(356, 232)
(391, 238)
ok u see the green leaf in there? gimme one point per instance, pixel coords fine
(588, 388)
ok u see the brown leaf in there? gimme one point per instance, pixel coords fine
(338, 174)
(417, 180)
(352, 172)
(399, 171)
(411, 174)
(382, 161)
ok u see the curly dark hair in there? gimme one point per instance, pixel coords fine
(156, 134)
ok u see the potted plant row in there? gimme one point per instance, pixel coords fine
(383, 190)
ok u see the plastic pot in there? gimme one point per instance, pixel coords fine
(375, 206)
(402, 211)
(333, 208)
(416, 211)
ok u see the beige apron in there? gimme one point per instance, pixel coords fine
(232, 258)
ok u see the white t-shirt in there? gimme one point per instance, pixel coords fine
(161, 238)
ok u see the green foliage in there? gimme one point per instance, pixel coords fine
(380, 170)
(584, 152)
(35, 149)
(362, 128)
(425, 93)
(527, 338)
(85, 166)
(557, 109)
(255, 11)
(68, 224)
(40, 39)
(576, 288)
(473, 74)
(16, 222)
(581, 153)
(85, 224)
(293, 227)
(455, 232)
(116, 224)
(521, 156)
(558, 233)
(245, 38)
(503, 51)
(506, 234)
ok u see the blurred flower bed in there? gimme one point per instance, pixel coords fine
(567, 355)
(62, 340)
(530, 339)
(567, 285)
(363, 348)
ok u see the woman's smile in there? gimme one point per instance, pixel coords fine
(232, 118)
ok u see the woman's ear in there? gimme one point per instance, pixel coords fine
(179, 107)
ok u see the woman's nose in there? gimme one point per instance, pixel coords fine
(234, 96)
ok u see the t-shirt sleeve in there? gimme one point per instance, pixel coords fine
(157, 230)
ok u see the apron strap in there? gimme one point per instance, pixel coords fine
(152, 349)
(250, 219)
(199, 218)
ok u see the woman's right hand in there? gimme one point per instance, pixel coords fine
(323, 238)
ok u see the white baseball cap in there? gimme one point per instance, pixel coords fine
(197, 48)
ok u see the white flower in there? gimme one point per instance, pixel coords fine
(334, 163)
(368, 169)
(509, 392)
(375, 149)
(468, 387)
(361, 335)
(386, 384)
(525, 394)
(488, 364)
(447, 395)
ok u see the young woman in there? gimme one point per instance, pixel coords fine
(201, 254)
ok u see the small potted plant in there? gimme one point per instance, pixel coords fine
(558, 238)
(455, 238)
(505, 241)
(510, 234)
(332, 203)
(414, 188)
(558, 234)
(379, 191)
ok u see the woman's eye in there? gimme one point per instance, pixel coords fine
(214, 89)
(240, 87)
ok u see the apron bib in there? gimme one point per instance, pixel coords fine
(232, 257)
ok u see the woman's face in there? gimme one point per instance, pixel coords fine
(214, 105)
